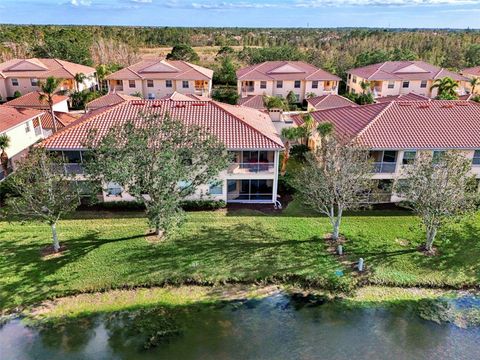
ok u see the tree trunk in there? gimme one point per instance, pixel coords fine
(158, 232)
(53, 118)
(336, 225)
(4, 162)
(56, 245)
(286, 155)
(431, 233)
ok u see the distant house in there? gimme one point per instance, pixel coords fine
(253, 101)
(109, 100)
(60, 108)
(278, 78)
(155, 78)
(24, 75)
(23, 127)
(330, 101)
(397, 132)
(248, 135)
(393, 78)
(471, 73)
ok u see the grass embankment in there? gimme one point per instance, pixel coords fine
(222, 247)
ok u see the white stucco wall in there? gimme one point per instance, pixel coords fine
(20, 139)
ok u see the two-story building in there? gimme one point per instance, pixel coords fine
(23, 128)
(392, 78)
(472, 73)
(155, 79)
(24, 76)
(398, 132)
(278, 78)
(248, 134)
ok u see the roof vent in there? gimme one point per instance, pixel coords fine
(424, 106)
(199, 104)
(136, 102)
(156, 105)
(448, 106)
(462, 104)
(180, 105)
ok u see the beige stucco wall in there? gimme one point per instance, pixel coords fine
(20, 139)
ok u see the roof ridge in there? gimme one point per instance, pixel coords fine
(243, 121)
(375, 118)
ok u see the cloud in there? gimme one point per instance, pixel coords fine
(80, 2)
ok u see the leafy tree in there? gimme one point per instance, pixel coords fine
(437, 190)
(474, 83)
(41, 191)
(365, 85)
(258, 55)
(227, 95)
(274, 102)
(159, 161)
(311, 95)
(371, 57)
(446, 88)
(4, 143)
(49, 89)
(226, 74)
(305, 131)
(472, 55)
(80, 99)
(361, 99)
(225, 51)
(476, 98)
(17, 94)
(335, 177)
(183, 52)
(290, 134)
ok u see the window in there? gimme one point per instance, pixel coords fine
(315, 84)
(354, 79)
(131, 83)
(391, 84)
(34, 82)
(353, 91)
(279, 84)
(409, 157)
(437, 156)
(406, 84)
(423, 84)
(119, 82)
(349, 76)
(297, 97)
(297, 84)
(14, 82)
(215, 188)
(389, 156)
(114, 189)
(151, 96)
(185, 84)
(263, 84)
(232, 185)
(27, 127)
(72, 157)
(149, 83)
(476, 158)
(168, 83)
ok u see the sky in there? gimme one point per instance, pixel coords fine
(247, 13)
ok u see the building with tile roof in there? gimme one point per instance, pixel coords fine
(24, 75)
(278, 78)
(156, 78)
(109, 100)
(247, 133)
(329, 101)
(32, 100)
(253, 101)
(473, 73)
(397, 132)
(23, 128)
(402, 77)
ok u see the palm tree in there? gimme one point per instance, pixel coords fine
(102, 72)
(4, 142)
(274, 102)
(474, 82)
(446, 88)
(49, 89)
(365, 85)
(289, 134)
(79, 79)
(306, 130)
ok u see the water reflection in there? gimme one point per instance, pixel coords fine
(277, 327)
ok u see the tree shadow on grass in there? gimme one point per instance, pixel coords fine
(29, 275)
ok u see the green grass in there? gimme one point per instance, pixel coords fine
(219, 247)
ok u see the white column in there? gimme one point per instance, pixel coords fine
(275, 179)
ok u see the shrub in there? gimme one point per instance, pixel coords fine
(298, 151)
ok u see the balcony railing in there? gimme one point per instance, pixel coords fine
(248, 88)
(248, 168)
(242, 197)
(384, 167)
(73, 169)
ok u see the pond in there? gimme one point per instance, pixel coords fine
(275, 327)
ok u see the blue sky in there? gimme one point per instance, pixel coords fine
(249, 13)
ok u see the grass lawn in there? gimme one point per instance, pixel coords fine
(218, 247)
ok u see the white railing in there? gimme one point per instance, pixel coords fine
(246, 168)
(242, 197)
(384, 167)
(248, 89)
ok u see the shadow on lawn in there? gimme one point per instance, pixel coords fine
(31, 271)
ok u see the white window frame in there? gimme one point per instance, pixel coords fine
(405, 82)
(130, 84)
(279, 84)
(34, 81)
(168, 83)
(391, 84)
(263, 84)
(315, 84)
(14, 82)
(185, 82)
(423, 84)
(150, 83)
(299, 82)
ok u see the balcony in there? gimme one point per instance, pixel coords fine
(384, 167)
(250, 191)
(248, 89)
(249, 168)
(73, 169)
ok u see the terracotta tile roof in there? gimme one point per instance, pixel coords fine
(465, 97)
(63, 120)
(176, 96)
(32, 100)
(252, 101)
(404, 70)
(42, 68)
(434, 124)
(237, 127)
(109, 100)
(157, 69)
(284, 70)
(403, 97)
(11, 116)
(475, 71)
(330, 101)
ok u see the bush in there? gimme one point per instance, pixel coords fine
(17, 94)
(298, 151)
(187, 205)
(203, 205)
(226, 95)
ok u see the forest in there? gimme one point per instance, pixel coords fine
(225, 49)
